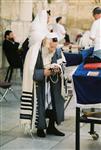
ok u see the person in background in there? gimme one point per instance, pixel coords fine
(85, 42)
(60, 30)
(11, 50)
(95, 32)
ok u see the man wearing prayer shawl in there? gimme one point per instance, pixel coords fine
(29, 109)
(38, 31)
(47, 75)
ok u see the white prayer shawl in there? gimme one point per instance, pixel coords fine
(28, 105)
(39, 28)
(27, 88)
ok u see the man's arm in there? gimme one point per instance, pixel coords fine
(39, 74)
(93, 31)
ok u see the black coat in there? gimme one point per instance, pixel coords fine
(56, 97)
(12, 54)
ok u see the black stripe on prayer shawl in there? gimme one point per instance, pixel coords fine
(27, 92)
(26, 105)
(25, 116)
(26, 108)
(27, 101)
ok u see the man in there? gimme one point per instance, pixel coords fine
(33, 110)
(85, 42)
(11, 51)
(47, 74)
(60, 30)
(95, 33)
(44, 99)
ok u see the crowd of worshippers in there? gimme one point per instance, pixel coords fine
(43, 71)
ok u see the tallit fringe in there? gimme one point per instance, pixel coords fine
(26, 126)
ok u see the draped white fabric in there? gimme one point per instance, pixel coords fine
(38, 32)
(38, 29)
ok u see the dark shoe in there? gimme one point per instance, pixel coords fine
(40, 133)
(54, 131)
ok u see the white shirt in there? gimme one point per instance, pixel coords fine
(95, 33)
(85, 41)
(60, 30)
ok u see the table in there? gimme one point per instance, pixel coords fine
(88, 91)
(72, 59)
(87, 88)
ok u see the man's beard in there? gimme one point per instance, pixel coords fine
(11, 39)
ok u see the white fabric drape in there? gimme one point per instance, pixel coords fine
(38, 29)
(38, 32)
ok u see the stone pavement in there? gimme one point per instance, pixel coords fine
(13, 138)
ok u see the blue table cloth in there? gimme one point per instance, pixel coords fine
(87, 88)
(86, 52)
(72, 59)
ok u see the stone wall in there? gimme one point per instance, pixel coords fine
(17, 15)
(77, 14)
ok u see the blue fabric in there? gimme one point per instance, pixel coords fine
(72, 59)
(87, 52)
(87, 88)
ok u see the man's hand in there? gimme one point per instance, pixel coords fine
(47, 72)
(57, 70)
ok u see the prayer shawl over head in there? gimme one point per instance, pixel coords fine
(38, 33)
(38, 29)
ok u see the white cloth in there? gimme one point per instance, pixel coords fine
(60, 30)
(95, 34)
(85, 41)
(39, 28)
(38, 31)
(52, 35)
(37, 34)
